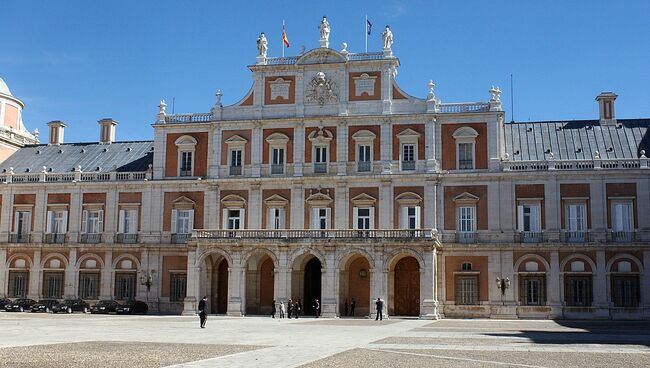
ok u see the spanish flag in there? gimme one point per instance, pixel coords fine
(285, 40)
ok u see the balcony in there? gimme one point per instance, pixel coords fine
(466, 237)
(20, 238)
(90, 238)
(180, 238)
(364, 166)
(126, 238)
(277, 169)
(315, 234)
(574, 236)
(54, 238)
(235, 170)
(408, 165)
(320, 167)
(622, 236)
(530, 237)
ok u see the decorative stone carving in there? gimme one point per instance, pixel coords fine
(431, 96)
(495, 94)
(387, 38)
(262, 45)
(321, 90)
(324, 29)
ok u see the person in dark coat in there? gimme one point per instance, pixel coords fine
(296, 309)
(203, 315)
(273, 309)
(289, 308)
(352, 305)
(379, 304)
(345, 308)
(316, 308)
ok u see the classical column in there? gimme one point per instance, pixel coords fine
(35, 277)
(256, 150)
(553, 285)
(429, 304)
(600, 287)
(329, 302)
(106, 277)
(71, 279)
(193, 283)
(341, 148)
(298, 149)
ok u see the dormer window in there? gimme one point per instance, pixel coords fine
(408, 143)
(465, 138)
(186, 146)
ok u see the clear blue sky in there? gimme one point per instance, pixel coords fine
(79, 61)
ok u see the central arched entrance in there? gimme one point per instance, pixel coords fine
(406, 287)
(354, 286)
(260, 280)
(306, 282)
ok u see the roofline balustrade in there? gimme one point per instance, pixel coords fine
(73, 177)
(587, 164)
(314, 234)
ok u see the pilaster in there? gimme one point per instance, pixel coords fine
(255, 207)
(385, 210)
(256, 150)
(3, 273)
(299, 149)
(110, 215)
(6, 217)
(553, 214)
(214, 159)
(430, 208)
(297, 207)
(35, 277)
(342, 147)
(429, 304)
(553, 287)
(645, 284)
(211, 205)
(341, 206)
(160, 139)
(106, 276)
(598, 230)
(386, 145)
(71, 279)
(430, 146)
(193, 284)
(329, 302)
(74, 213)
(600, 287)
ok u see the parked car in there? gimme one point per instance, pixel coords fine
(104, 307)
(20, 305)
(71, 305)
(132, 307)
(3, 302)
(44, 305)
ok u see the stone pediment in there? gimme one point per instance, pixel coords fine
(466, 197)
(319, 200)
(321, 55)
(276, 201)
(364, 199)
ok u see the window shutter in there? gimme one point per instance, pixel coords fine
(191, 222)
(100, 224)
(629, 219)
(520, 218)
(403, 217)
(314, 218)
(328, 216)
(372, 217)
(418, 217)
(355, 217)
(16, 218)
(84, 221)
(242, 219)
(282, 217)
(270, 219)
(535, 219)
(224, 218)
(50, 222)
(64, 226)
(174, 224)
(133, 228)
(121, 221)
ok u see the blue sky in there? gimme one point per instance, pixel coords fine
(80, 61)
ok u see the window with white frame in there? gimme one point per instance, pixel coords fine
(183, 221)
(186, 146)
(364, 218)
(320, 140)
(92, 221)
(465, 138)
(576, 217)
(408, 143)
(278, 148)
(532, 289)
(278, 159)
(128, 221)
(57, 221)
(320, 218)
(236, 145)
(408, 156)
(320, 159)
(364, 143)
(23, 222)
(233, 212)
(234, 219)
(276, 218)
(466, 219)
(410, 210)
(466, 289)
(528, 217)
(622, 216)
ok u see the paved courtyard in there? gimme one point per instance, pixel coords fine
(28, 340)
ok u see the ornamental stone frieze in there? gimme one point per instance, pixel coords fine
(321, 90)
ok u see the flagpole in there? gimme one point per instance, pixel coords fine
(365, 31)
(282, 40)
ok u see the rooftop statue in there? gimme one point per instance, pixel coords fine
(387, 38)
(324, 29)
(262, 45)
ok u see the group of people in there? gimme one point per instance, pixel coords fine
(348, 309)
(290, 309)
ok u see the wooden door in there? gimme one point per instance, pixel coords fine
(407, 287)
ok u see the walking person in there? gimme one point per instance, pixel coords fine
(299, 307)
(296, 309)
(316, 308)
(379, 304)
(273, 309)
(352, 305)
(281, 310)
(345, 308)
(203, 315)
(289, 308)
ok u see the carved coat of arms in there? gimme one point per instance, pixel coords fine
(321, 90)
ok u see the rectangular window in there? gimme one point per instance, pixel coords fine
(234, 219)
(409, 217)
(364, 160)
(18, 284)
(186, 163)
(466, 220)
(320, 159)
(465, 156)
(128, 221)
(236, 162)
(408, 156)
(622, 220)
(363, 218)
(577, 290)
(277, 161)
(23, 222)
(183, 221)
(532, 290)
(625, 291)
(57, 222)
(320, 218)
(467, 290)
(125, 284)
(53, 285)
(276, 218)
(528, 218)
(177, 285)
(575, 217)
(92, 222)
(89, 285)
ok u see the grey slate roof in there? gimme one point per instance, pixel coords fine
(118, 156)
(577, 139)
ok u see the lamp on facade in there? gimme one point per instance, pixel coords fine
(503, 284)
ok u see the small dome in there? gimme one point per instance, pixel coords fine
(4, 89)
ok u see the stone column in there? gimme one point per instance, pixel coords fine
(154, 262)
(71, 279)
(3, 273)
(193, 283)
(379, 281)
(600, 287)
(386, 144)
(282, 287)
(429, 303)
(341, 208)
(236, 291)
(256, 150)
(598, 202)
(255, 207)
(106, 277)
(500, 265)
(329, 302)
(35, 277)
(385, 210)
(341, 148)
(215, 160)
(299, 149)
(430, 145)
(297, 207)
(553, 285)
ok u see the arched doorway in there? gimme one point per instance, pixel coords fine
(260, 277)
(406, 287)
(312, 285)
(354, 285)
(220, 288)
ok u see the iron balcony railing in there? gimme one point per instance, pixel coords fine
(126, 238)
(575, 236)
(277, 169)
(235, 170)
(465, 237)
(180, 238)
(622, 236)
(91, 238)
(320, 167)
(530, 237)
(364, 166)
(54, 238)
(314, 233)
(20, 238)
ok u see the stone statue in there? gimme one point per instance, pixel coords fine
(262, 45)
(324, 29)
(387, 38)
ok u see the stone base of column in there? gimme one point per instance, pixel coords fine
(556, 312)
(189, 306)
(328, 310)
(504, 312)
(234, 308)
(601, 313)
(429, 309)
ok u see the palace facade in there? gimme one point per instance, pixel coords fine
(328, 181)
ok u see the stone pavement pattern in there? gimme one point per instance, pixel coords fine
(266, 342)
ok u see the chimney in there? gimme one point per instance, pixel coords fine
(606, 107)
(107, 131)
(56, 132)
